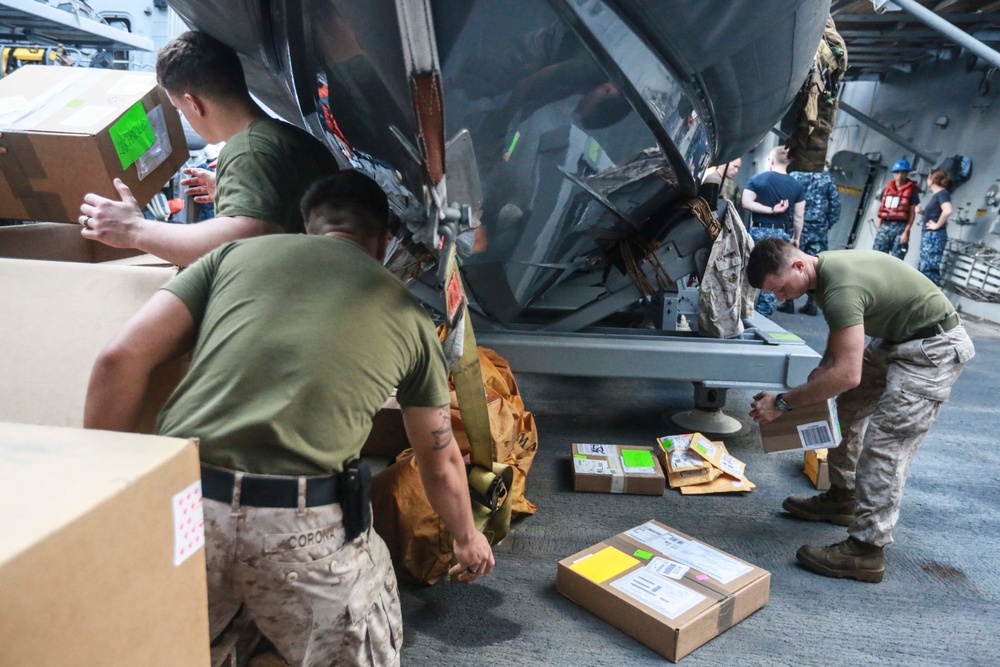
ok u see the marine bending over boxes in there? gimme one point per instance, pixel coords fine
(889, 392)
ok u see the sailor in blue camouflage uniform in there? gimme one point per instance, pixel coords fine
(822, 213)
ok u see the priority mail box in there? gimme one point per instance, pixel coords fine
(72, 130)
(57, 317)
(666, 589)
(617, 469)
(817, 468)
(815, 426)
(102, 560)
(683, 466)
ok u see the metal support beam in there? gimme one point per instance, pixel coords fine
(930, 158)
(950, 31)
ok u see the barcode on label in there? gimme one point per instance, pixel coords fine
(816, 435)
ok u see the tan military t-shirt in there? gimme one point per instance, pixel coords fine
(891, 298)
(301, 340)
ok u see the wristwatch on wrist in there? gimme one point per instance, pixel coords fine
(779, 402)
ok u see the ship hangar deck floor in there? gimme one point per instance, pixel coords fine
(936, 606)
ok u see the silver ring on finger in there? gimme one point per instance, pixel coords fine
(86, 222)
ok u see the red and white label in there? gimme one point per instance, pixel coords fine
(189, 523)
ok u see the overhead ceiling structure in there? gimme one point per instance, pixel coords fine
(34, 23)
(898, 40)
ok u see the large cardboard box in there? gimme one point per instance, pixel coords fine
(72, 130)
(58, 242)
(57, 317)
(617, 469)
(666, 589)
(102, 559)
(817, 468)
(814, 426)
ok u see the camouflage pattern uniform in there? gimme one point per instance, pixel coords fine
(822, 209)
(766, 300)
(886, 417)
(319, 599)
(932, 243)
(887, 239)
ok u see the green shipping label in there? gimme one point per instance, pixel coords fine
(132, 135)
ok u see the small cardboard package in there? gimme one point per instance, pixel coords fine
(817, 469)
(73, 130)
(58, 317)
(617, 469)
(721, 483)
(814, 426)
(669, 591)
(683, 466)
(102, 559)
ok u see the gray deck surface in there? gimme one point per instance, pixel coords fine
(936, 606)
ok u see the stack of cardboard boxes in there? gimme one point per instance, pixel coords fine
(102, 560)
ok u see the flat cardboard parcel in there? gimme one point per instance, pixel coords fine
(669, 591)
(617, 469)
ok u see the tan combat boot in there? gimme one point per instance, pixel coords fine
(836, 506)
(850, 559)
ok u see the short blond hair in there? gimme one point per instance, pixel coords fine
(781, 156)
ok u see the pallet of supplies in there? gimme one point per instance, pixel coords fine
(665, 589)
(617, 469)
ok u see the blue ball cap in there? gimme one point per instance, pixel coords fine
(901, 165)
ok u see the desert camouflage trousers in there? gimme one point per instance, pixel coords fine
(319, 600)
(885, 418)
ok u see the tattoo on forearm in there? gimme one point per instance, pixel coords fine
(442, 434)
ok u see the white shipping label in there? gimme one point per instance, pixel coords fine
(731, 466)
(685, 459)
(88, 116)
(816, 435)
(668, 543)
(592, 467)
(189, 523)
(672, 443)
(134, 85)
(12, 106)
(657, 592)
(667, 568)
(597, 450)
(705, 446)
(647, 533)
(712, 562)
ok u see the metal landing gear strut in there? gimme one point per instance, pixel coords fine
(707, 416)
